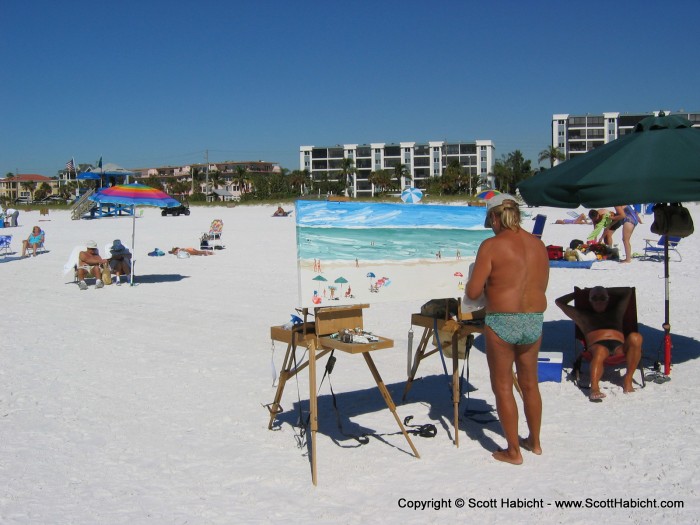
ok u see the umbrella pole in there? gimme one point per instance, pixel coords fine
(133, 245)
(667, 325)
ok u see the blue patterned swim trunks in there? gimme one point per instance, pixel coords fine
(516, 328)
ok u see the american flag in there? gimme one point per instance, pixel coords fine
(69, 165)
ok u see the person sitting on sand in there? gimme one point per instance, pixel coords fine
(581, 219)
(602, 327)
(280, 212)
(120, 261)
(89, 262)
(191, 251)
(35, 239)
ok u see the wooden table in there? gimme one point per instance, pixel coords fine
(458, 330)
(318, 346)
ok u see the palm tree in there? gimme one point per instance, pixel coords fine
(30, 186)
(347, 169)
(551, 154)
(381, 180)
(402, 174)
(298, 179)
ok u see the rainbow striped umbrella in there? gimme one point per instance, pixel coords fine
(487, 194)
(134, 195)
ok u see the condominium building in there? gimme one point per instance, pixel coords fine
(21, 187)
(423, 161)
(576, 134)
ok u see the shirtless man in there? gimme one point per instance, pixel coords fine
(602, 328)
(512, 269)
(89, 262)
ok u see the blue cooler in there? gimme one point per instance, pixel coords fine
(549, 366)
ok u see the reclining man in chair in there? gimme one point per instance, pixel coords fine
(602, 329)
(89, 262)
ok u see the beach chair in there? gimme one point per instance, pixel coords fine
(5, 241)
(42, 245)
(213, 236)
(538, 228)
(654, 250)
(629, 324)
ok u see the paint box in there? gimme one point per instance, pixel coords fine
(549, 366)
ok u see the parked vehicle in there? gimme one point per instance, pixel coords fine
(183, 208)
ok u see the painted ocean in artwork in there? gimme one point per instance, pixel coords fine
(358, 252)
(345, 231)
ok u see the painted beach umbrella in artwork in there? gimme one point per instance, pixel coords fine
(458, 274)
(411, 195)
(134, 195)
(341, 281)
(371, 276)
(319, 278)
(487, 194)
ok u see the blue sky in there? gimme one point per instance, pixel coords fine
(151, 82)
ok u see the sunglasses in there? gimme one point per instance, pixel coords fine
(599, 298)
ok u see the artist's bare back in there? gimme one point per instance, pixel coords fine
(519, 273)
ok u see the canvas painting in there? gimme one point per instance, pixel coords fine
(357, 252)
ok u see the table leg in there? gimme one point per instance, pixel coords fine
(420, 352)
(455, 384)
(387, 399)
(313, 408)
(275, 407)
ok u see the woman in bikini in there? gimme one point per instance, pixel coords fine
(191, 251)
(512, 269)
(629, 222)
(601, 325)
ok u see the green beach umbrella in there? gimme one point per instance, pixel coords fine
(658, 162)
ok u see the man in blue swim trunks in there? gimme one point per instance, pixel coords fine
(512, 269)
(601, 325)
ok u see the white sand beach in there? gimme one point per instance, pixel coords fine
(145, 404)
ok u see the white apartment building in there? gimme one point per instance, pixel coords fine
(422, 160)
(576, 134)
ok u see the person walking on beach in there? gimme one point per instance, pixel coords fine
(512, 269)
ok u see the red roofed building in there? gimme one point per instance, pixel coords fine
(22, 186)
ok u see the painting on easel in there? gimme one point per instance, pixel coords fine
(358, 252)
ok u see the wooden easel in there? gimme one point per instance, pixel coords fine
(458, 330)
(316, 337)
(466, 325)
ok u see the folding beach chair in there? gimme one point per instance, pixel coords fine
(629, 324)
(5, 241)
(213, 236)
(654, 251)
(538, 228)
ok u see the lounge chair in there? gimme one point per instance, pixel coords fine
(538, 228)
(629, 324)
(5, 241)
(654, 250)
(213, 236)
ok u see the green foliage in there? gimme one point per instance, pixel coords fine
(154, 182)
(510, 170)
(551, 154)
(382, 180)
